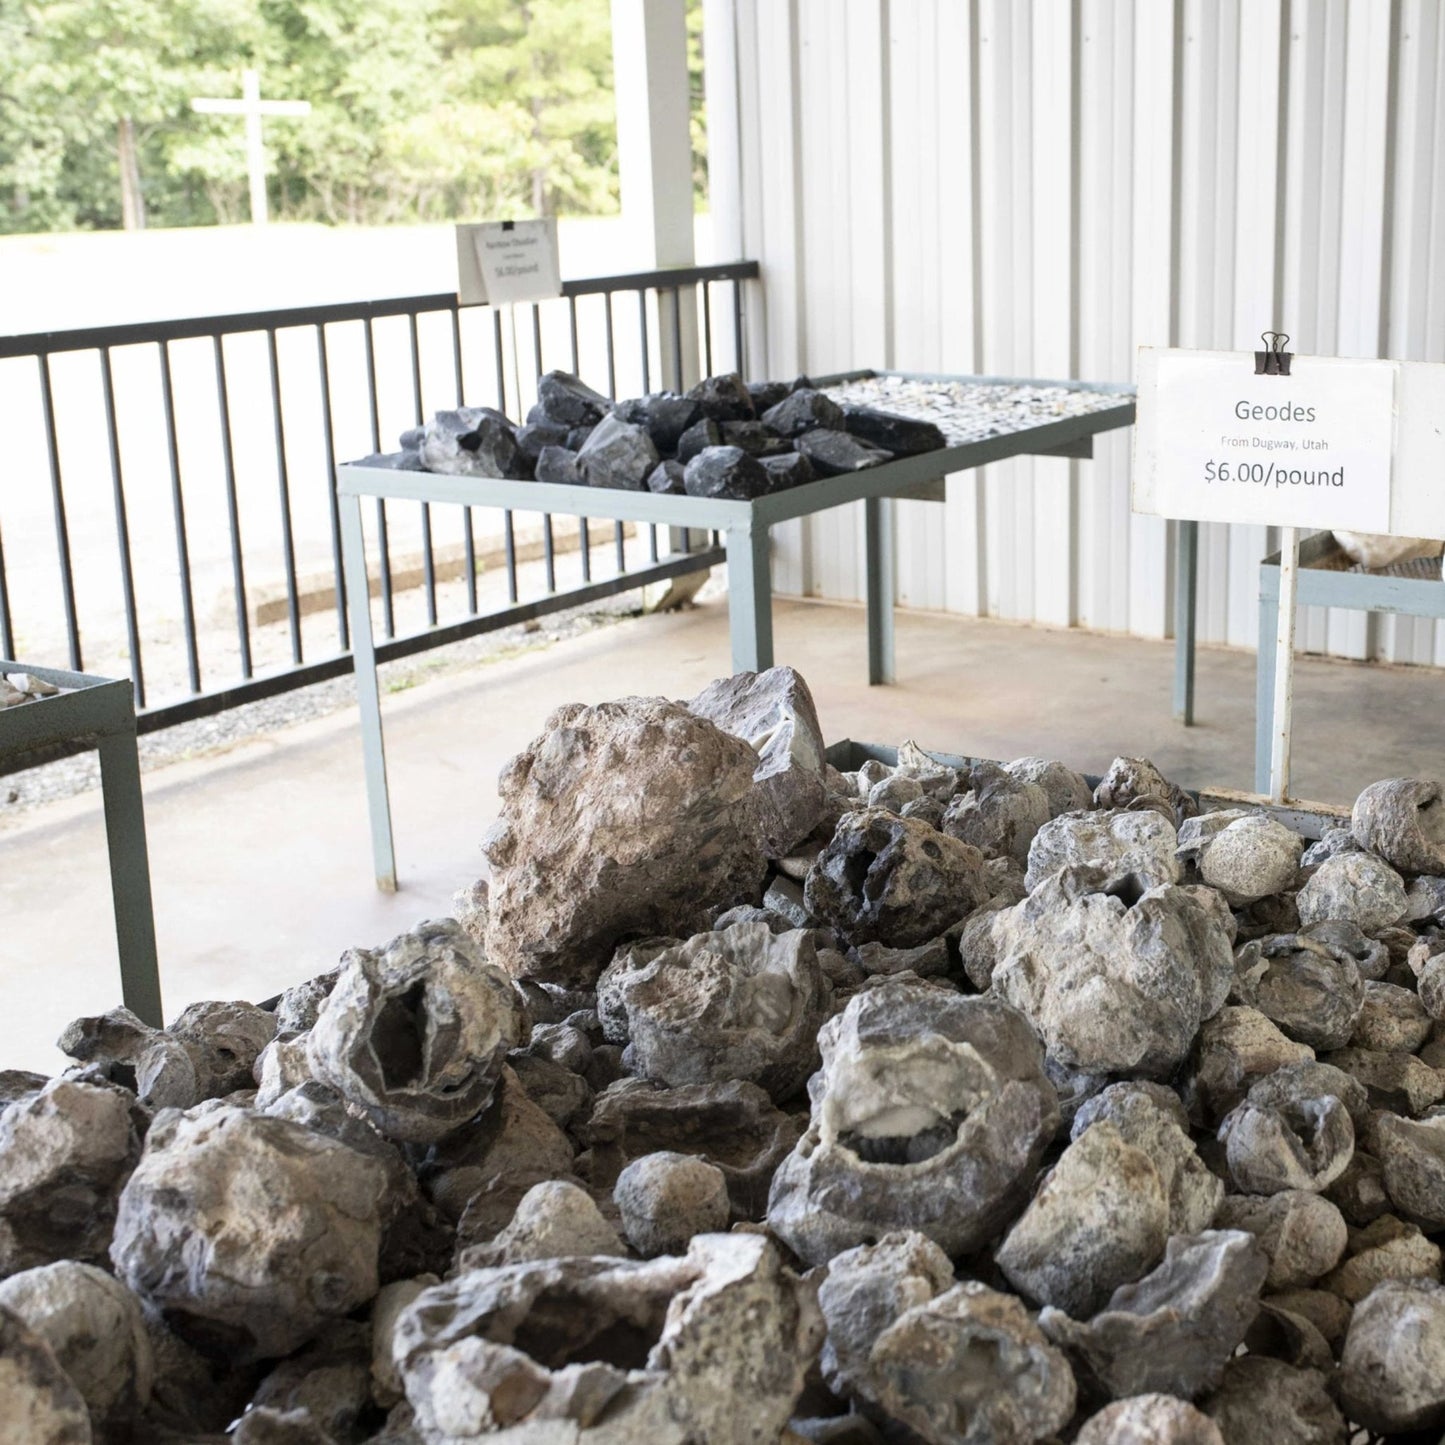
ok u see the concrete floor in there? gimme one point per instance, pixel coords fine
(260, 857)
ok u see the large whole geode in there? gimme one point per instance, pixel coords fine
(931, 1113)
(247, 1233)
(738, 1003)
(1115, 981)
(415, 1033)
(1403, 820)
(630, 817)
(899, 881)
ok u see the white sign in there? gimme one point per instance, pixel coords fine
(1216, 443)
(502, 262)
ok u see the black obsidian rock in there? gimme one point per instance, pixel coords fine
(667, 477)
(791, 469)
(617, 454)
(767, 393)
(802, 411)
(754, 438)
(536, 435)
(665, 416)
(904, 436)
(834, 452)
(557, 464)
(724, 398)
(726, 472)
(570, 402)
(705, 433)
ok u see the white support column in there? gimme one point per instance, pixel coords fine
(654, 147)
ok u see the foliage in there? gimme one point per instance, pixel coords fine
(422, 110)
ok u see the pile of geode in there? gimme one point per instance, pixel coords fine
(724, 438)
(750, 1101)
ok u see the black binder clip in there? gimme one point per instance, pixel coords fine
(1274, 360)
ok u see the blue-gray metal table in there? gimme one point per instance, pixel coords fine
(100, 712)
(746, 526)
(1327, 578)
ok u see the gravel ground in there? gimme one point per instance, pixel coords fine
(23, 793)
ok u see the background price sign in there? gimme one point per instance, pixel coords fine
(1313, 449)
(503, 262)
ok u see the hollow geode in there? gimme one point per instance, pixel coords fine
(931, 1113)
(416, 1033)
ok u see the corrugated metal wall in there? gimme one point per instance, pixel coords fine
(1036, 188)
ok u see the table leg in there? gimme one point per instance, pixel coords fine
(1186, 581)
(750, 599)
(368, 694)
(878, 546)
(130, 877)
(1264, 685)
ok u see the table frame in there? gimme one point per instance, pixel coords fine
(1324, 587)
(746, 526)
(100, 713)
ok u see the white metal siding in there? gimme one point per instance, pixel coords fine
(1038, 187)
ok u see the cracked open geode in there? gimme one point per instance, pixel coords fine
(931, 1112)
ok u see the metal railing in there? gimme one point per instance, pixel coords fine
(212, 435)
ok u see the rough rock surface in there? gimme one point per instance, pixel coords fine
(248, 1232)
(472, 441)
(1303, 1144)
(65, 1154)
(94, 1325)
(1386, 1248)
(1313, 992)
(631, 817)
(1249, 859)
(1115, 981)
(1067, 791)
(1099, 1220)
(930, 1113)
(1140, 844)
(1000, 813)
(726, 472)
(617, 454)
(611, 1351)
(1174, 1330)
(1266, 1402)
(1303, 1234)
(415, 1034)
(39, 1404)
(666, 1198)
(741, 1002)
(969, 1367)
(1150, 1420)
(893, 880)
(1151, 1118)
(1137, 783)
(734, 1125)
(1412, 1158)
(1234, 1049)
(864, 1290)
(554, 1219)
(121, 1049)
(774, 712)
(1356, 887)
(1403, 821)
(1392, 1368)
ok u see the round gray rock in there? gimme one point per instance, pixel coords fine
(666, 1198)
